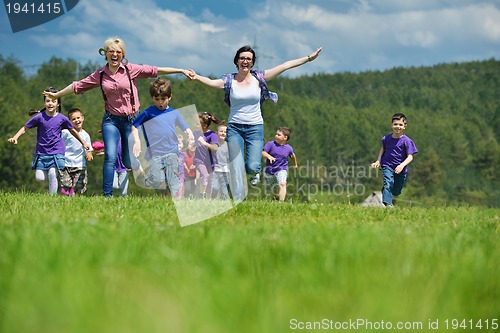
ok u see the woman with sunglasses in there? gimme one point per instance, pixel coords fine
(121, 101)
(244, 93)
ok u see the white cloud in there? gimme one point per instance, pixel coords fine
(356, 35)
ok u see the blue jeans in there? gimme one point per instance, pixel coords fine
(165, 168)
(245, 144)
(114, 128)
(393, 184)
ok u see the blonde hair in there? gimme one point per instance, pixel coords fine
(110, 41)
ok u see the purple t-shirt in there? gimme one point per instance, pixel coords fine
(280, 153)
(48, 135)
(204, 155)
(396, 150)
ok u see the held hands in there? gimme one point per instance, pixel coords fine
(190, 74)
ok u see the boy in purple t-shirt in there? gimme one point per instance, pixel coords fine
(396, 153)
(277, 153)
(50, 147)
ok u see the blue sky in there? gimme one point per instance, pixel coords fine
(204, 35)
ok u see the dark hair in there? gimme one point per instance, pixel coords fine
(286, 132)
(73, 110)
(33, 112)
(206, 119)
(245, 48)
(399, 116)
(53, 90)
(160, 87)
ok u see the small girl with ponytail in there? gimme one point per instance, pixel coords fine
(206, 148)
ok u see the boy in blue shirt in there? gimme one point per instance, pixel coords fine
(396, 153)
(277, 153)
(159, 123)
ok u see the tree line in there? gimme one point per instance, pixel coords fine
(337, 122)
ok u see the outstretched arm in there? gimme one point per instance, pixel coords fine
(21, 131)
(75, 133)
(61, 93)
(213, 83)
(274, 72)
(172, 70)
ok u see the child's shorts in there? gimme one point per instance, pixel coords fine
(275, 179)
(74, 177)
(45, 162)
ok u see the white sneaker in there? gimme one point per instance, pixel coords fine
(256, 180)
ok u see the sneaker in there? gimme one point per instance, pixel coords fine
(256, 180)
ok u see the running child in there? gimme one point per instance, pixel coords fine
(277, 153)
(396, 153)
(74, 175)
(50, 148)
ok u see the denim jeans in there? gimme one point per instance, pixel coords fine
(393, 184)
(165, 169)
(245, 144)
(114, 128)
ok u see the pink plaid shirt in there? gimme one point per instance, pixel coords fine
(117, 86)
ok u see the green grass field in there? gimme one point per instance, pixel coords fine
(125, 265)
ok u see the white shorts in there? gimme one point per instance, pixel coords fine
(280, 177)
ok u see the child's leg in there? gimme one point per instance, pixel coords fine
(41, 175)
(171, 163)
(67, 182)
(281, 178)
(202, 168)
(79, 182)
(53, 184)
(399, 182)
(387, 190)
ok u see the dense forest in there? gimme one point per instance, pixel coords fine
(337, 122)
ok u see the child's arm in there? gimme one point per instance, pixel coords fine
(407, 161)
(21, 131)
(137, 141)
(211, 146)
(294, 160)
(266, 155)
(189, 134)
(74, 132)
(376, 164)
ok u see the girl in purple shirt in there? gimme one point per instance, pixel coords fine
(121, 101)
(50, 148)
(206, 148)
